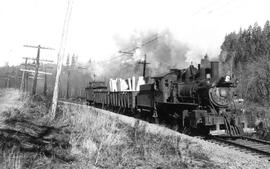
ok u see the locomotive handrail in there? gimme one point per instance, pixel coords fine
(183, 103)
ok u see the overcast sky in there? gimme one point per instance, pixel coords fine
(201, 24)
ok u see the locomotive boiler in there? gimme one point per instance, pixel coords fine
(193, 100)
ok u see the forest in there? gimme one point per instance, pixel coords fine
(246, 54)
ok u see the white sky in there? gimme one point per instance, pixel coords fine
(202, 24)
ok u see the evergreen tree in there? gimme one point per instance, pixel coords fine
(67, 63)
(248, 52)
(73, 60)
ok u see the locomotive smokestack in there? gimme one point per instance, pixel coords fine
(202, 71)
(214, 70)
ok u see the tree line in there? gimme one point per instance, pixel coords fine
(246, 55)
(11, 77)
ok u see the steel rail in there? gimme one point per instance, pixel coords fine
(250, 147)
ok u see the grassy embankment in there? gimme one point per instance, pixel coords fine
(101, 141)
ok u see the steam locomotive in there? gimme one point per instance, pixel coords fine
(191, 100)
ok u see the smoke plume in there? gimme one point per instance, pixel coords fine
(162, 53)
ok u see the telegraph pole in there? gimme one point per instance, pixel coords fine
(45, 84)
(37, 65)
(22, 87)
(45, 79)
(8, 79)
(25, 71)
(132, 51)
(26, 81)
(36, 72)
(68, 76)
(144, 65)
(61, 53)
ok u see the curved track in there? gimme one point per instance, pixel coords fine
(248, 144)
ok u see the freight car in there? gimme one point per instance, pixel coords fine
(97, 94)
(192, 100)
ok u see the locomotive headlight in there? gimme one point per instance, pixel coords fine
(223, 92)
(219, 96)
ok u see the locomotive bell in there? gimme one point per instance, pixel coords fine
(227, 78)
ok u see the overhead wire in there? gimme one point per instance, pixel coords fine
(220, 6)
(204, 8)
(145, 43)
(209, 8)
(215, 6)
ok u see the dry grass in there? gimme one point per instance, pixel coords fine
(106, 142)
(100, 140)
(15, 106)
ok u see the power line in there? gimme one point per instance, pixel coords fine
(131, 51)
(39, 47)
(220, 6)
(204, 7)
(208, 9)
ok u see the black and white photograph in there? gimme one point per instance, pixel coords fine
(125, 84)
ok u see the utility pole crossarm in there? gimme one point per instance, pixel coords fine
(39, 47)
(32, 71)
(80, 67)
(43, 60)
(128, 52)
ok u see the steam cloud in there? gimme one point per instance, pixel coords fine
(163, 54)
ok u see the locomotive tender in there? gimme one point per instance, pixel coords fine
(193, 101)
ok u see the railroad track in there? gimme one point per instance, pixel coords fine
(254, 146)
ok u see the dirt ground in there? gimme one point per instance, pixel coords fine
(9, 98)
